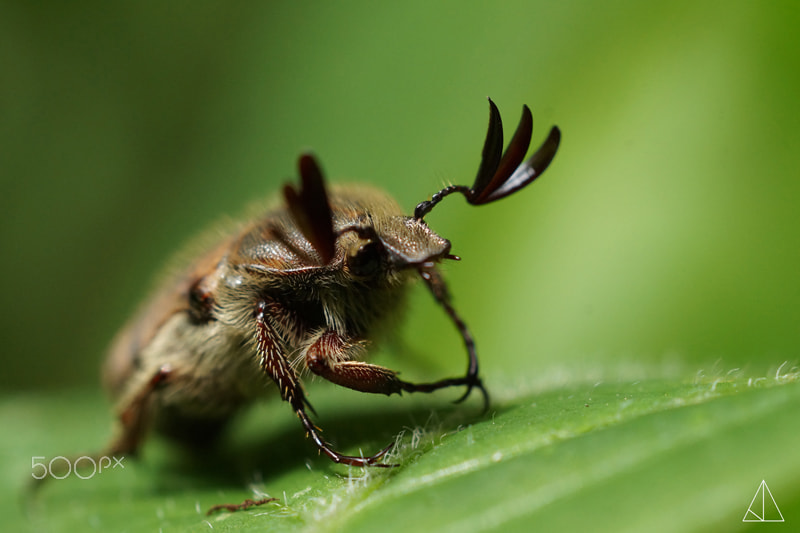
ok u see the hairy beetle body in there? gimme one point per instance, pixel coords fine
(200, 324)
(303, 287)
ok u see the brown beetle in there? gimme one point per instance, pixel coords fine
(310, 282)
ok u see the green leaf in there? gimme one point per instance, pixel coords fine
(651, 455)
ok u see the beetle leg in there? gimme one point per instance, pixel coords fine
(232, 507)
(328, 357)
(135, 415)
(272, 360)
(438, 288)
(280, 371)
(134, 419)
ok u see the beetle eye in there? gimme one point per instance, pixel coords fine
(366, 262)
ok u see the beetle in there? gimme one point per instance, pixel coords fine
(307, 284)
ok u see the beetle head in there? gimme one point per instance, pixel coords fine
(377, 239)
(397, 242)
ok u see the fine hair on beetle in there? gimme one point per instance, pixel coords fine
(305, 286)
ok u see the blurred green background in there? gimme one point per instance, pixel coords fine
(665, 234)
(662, 243)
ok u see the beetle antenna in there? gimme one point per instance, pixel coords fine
(499, 176)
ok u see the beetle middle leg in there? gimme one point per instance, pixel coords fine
(328, 357)
(280, 371)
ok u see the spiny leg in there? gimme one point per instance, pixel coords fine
(279, 370)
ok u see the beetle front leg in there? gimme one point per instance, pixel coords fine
(280, 371)
(438, 288)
